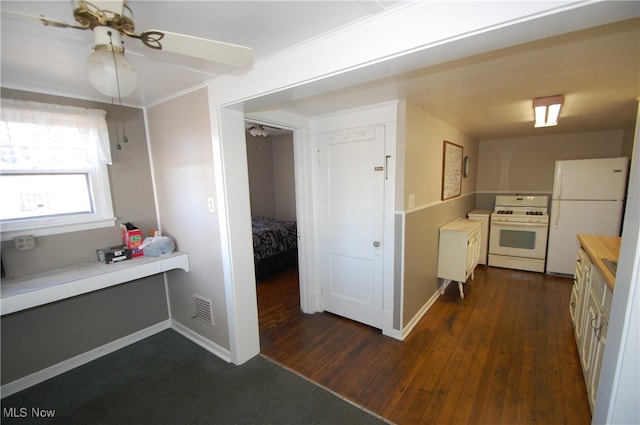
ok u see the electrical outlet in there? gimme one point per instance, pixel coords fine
(412, 200)
(211, 204)
(24, 243)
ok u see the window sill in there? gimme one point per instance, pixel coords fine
(25, 292)
(8, 235)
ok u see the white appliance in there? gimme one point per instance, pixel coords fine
(588, 197)
(518, 233)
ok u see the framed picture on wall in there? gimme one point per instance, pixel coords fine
(451, 170)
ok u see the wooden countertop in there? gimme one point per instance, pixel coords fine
(599, 247)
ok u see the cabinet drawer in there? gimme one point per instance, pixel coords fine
(573, 304)
(582, 257)
(577, 276)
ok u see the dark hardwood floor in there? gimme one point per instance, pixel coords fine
(505, 354)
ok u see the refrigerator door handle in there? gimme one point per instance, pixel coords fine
(558, 194)
(556, 218)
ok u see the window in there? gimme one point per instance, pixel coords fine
(53, 169)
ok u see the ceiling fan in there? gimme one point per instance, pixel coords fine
(110, 72)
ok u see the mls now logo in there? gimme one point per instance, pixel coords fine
(23, 412)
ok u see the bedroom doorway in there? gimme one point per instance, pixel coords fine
(270, 165)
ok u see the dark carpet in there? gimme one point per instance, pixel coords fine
(167, 379)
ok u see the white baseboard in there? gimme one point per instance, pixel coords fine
(414, 321)
(208, 345)
(80, 359)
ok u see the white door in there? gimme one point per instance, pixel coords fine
(352, 173)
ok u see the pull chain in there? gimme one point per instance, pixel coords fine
(118, 145)
(124, 139)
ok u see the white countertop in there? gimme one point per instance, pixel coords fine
(25, 292)
(480, 212)
(461, 225)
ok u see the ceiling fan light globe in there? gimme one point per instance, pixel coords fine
(101, 70)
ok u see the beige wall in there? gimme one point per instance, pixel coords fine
(131, 191)
(422, 149)
(41, 337)
(271, 176)
(505, 166)
(181, 148)
(284, 177)
(526, 164)
(422, 236)
(261, 183)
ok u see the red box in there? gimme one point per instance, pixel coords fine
(132, 239)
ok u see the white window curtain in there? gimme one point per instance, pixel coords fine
(40, 136)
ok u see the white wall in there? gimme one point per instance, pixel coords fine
(180, 145)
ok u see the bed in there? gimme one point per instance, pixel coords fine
(275, 245)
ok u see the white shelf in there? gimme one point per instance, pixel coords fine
(42, 288)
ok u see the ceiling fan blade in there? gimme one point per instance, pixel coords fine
(202, 48)
(32, 18)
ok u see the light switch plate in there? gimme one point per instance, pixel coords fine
(412, 200)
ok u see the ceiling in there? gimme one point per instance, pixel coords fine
(53, 60)
(485, 96)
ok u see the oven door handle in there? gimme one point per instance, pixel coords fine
(518, 224)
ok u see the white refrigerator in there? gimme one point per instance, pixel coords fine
(588, 197)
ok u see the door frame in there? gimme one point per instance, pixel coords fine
(305, 200)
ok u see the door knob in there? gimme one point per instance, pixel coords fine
(376, 244)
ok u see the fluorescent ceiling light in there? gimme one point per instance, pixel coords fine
(547, 110)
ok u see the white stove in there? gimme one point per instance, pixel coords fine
(518, 233)
(527, 209)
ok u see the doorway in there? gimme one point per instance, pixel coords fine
(270, 166)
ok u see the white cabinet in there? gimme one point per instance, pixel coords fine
(484, 216)
(459, 251)
(579, 295)
(595, 332)
(591, 315)
(590, 307)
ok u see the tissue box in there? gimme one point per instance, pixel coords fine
(132, 239)
(113, 254)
